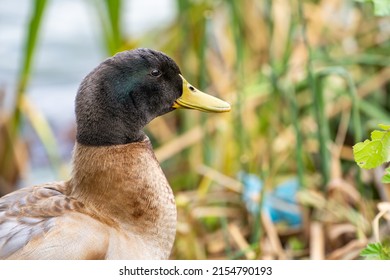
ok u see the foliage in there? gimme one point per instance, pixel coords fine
(306, 79)
(110, 16)
(11, 125)
(372, 153)
(376, 251)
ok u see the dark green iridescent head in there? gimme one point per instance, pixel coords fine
(124, 93)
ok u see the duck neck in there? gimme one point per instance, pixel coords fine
(125, 186)
(106, 132)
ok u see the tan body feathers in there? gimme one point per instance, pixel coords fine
(78, 219)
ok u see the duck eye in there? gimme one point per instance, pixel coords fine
(155, 72)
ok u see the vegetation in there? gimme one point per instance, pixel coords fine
(276, 177)
(371, 154)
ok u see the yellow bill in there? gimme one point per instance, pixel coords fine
(193, 98)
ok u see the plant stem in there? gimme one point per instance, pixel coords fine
(319, 107)
(23, 80)
(29, 50)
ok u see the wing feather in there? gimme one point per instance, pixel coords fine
(30, 213)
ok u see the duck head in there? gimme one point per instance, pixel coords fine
(125, 92)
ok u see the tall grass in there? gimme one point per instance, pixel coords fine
(110, 16)
(306, 79)
(13, 123)
(29, 51)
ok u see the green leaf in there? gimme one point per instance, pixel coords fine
(386, 177)
(372, 251)
(372, 153)
(368, 154)
(376, 251)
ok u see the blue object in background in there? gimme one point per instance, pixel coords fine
(280, 203)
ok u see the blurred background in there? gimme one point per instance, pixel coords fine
(273, 179)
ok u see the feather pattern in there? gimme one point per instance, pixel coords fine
(29, 213)
(77, 219)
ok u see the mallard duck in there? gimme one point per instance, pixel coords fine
(117, 203)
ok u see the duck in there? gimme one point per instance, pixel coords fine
(117, 203)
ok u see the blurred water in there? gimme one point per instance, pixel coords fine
(70, 45)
